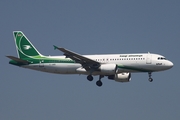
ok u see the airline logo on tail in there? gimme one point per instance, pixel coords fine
(27, 47)
(24, 47)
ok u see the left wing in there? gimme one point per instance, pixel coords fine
(87, 63)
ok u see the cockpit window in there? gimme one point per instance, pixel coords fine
(161, 58)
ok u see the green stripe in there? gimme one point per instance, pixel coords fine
(134, 68)
(43, 60)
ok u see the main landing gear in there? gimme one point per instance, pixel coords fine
(150, 78)
(99, 82)
(90, 77)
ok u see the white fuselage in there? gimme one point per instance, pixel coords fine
(141, 62)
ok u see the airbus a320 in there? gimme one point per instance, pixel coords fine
(117, 67)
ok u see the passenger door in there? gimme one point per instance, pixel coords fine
(148, 58)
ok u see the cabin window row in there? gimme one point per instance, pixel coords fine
(116, 59)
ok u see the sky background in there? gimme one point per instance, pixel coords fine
(90, 27)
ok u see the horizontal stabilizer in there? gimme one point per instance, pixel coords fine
(18, 60)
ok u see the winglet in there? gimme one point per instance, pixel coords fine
(55, 47)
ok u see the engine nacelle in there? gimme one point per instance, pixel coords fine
(121, 77)
(108, 69)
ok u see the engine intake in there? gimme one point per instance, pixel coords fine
(121, 77)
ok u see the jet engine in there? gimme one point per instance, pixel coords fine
(121, 77)
(108, 69)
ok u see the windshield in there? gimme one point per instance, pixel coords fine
(161, 58)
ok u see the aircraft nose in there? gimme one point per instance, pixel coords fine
(170, 64)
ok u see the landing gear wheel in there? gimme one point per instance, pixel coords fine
(150, 79)
(90, 77)
(99, 83)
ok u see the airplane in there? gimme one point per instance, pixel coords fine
(117, 67)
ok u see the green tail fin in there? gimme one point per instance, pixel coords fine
(25, 48)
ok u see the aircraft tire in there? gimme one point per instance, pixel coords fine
(99, 83)
(90, 77)
(150, 79)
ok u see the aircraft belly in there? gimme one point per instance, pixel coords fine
(63, 68)
(58, 68)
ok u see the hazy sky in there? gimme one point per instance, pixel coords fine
(90, 27)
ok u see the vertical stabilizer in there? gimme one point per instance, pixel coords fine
(25, 48)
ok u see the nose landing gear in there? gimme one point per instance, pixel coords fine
(150, 78)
